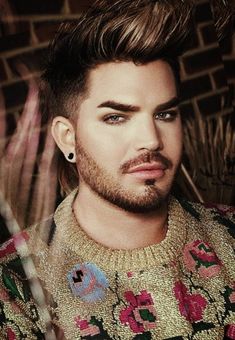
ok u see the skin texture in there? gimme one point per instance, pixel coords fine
(110, 141)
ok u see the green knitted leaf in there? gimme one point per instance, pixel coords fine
(11, 285)
(93, 321)
(146, 315)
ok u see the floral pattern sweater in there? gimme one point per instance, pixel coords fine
(181, 288)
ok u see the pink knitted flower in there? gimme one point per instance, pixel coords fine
(140, 315)
(87, 327)
(200, 257)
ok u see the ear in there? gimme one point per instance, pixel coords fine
(63, 133)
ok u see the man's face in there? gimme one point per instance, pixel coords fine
(129, 134)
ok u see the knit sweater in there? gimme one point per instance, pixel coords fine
(180, 288)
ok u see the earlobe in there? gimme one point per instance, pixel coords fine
(63, 133)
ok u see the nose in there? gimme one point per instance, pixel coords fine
(148, 136)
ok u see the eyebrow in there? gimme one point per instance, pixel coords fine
(132, 108)
(169, 104)
(119, 106)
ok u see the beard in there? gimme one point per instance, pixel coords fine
(104, 184)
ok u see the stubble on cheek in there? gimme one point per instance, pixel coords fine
(106, 186)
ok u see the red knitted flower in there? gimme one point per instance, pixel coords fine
(191, 306)
(140, 315)
(11, 335)
(230, 331)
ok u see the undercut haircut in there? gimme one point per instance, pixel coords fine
(140, 31)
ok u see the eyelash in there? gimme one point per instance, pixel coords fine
(172, 113)
(108, 119)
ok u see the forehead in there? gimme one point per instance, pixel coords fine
(126, 81)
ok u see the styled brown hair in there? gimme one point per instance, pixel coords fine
(112, 30)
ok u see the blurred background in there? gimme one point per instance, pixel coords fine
(28, 163)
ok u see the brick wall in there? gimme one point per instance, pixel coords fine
(26, 29)
(208, 68)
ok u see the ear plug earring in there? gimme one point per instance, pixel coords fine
(70, 156)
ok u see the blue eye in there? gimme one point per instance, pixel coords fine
(114, 119)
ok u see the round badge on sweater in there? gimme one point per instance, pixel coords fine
(88, 282)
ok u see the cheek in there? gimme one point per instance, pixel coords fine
(173, 141)
(106, 149)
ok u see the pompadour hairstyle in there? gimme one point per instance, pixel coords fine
(112, 30)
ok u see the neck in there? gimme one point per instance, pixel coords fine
(116, 228)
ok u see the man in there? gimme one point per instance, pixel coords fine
(121, 258)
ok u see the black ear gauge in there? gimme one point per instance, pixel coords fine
(70, 156)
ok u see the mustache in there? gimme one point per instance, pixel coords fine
(148, 157)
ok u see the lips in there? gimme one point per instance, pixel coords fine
(147, 167)
(148, 170)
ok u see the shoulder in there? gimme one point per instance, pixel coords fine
(209, 255)
(210, 237)
(211, 215)
(19, 315)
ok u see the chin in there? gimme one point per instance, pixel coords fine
(151, 200)
(141, 208)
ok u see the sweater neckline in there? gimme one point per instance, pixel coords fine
(70, 236)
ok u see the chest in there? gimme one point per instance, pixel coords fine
(166, 302)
